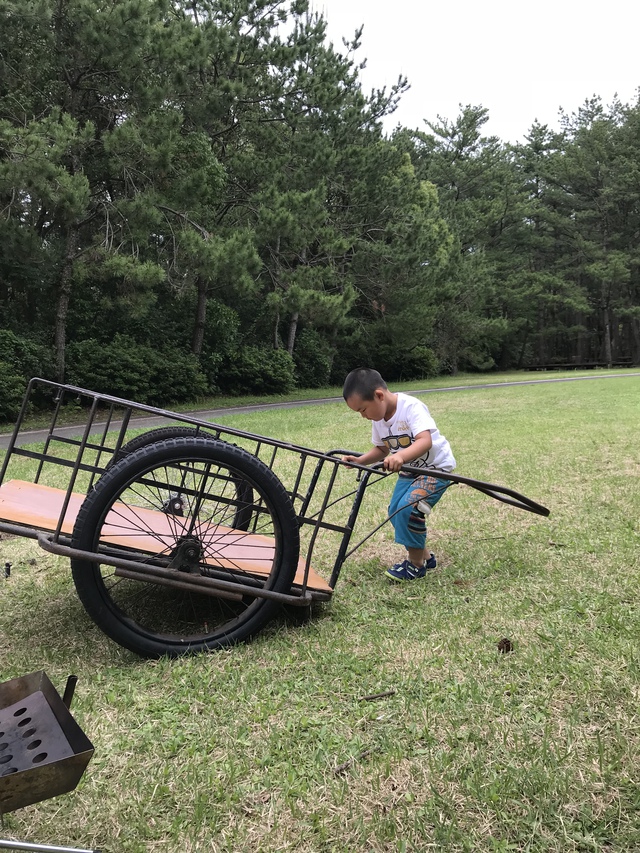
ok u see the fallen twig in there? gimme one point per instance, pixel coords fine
(347, 764)
(373, 696)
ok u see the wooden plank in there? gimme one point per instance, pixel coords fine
(38, 506)
(35, 505)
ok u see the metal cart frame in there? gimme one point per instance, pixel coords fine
(225, 507)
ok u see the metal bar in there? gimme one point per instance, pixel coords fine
(6, 844)
(47, 543)
(16, 429)
(371, 532)
(325, 525)
(52, 425)
(69, 690)
(298, 480)
(101, 448)
(182, 418)
(76, 468)
(57, 460)
(124, 426)
(318, 524)
(199, 496)
(18, 530)
(518, 500)
(312, 485)
(499, 493)
(149, 577)
(271, 462)
(52, 437)
(74, 442)
(344, 544)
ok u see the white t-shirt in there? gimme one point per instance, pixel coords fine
(410, 419)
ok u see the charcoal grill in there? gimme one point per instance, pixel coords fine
(43, 751)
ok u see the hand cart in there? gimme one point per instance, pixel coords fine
(187, 537)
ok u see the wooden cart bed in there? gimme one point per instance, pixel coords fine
(37, 506)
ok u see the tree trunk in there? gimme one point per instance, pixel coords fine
(542, 338)
(201, 317)
(62, 307)
(523, 348)
(276, 272)
(606, 325)
(293, 325)
(293, 328)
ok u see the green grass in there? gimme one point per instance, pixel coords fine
(272, 746)
(76, 415)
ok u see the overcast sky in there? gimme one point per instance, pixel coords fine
(521, 60)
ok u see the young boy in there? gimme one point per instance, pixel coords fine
(403, 433)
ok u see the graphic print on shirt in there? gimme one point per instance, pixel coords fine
(400, 442)
(397, 442)
(410, 419)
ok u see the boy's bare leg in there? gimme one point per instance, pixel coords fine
(418, 555)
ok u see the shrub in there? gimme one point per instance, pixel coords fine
(127, 369)
(24, 356)
(351, 352)
(20, 360)
(176, 378)
(12, 386)
(121, 368)
(222, 338)
(312, 357)
(393, 359)
(399, 364)
(258, 370)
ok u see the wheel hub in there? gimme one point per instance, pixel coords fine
(174, 505)
(186, 556)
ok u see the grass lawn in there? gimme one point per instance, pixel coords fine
(391, 721)
(462, 380)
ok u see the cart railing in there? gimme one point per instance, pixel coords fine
(73, 458)
(317, 483)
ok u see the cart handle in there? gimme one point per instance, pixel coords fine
(499, 493)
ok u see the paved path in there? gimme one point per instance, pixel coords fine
(34, 436)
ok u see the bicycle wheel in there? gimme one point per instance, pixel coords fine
(245, 497)
(128, 515)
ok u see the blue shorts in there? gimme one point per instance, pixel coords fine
(408, 522)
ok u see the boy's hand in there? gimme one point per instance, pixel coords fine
(393, 462)
(422, 444)
(350, 459)
(372, 456)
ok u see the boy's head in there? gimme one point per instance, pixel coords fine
(363, 382)
(366, 392)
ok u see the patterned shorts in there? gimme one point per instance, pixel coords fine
(408, 521)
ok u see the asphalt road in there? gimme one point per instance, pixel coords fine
(210, 415)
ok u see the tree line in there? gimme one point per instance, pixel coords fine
(197, 196)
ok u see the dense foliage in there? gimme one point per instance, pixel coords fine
(198, 196)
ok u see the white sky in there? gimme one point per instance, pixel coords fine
(521, 60)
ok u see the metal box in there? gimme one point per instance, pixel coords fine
(43, 751)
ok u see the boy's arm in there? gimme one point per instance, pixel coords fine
(376, 454)
(406, 456)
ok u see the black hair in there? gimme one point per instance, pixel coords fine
(364, 382)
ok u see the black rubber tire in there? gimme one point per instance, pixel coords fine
(242, 519)
(154, 435)
(153, 620)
